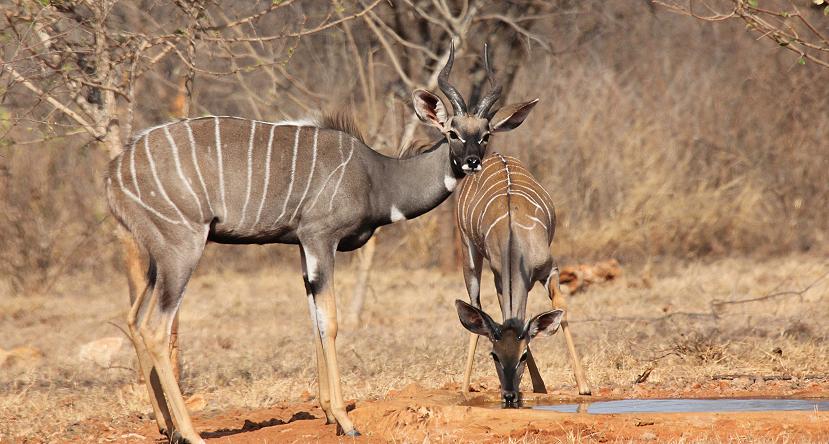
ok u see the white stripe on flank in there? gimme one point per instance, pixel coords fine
(181, 172)
(221, 166)
(310, 175)
(135, 198)
(267, 176)
(250, 174)
(293, 171)
(196, 164)
(158, 181)
(495, 222)
(340, 180)
(486, 208)
(132, 169)
(334, 171)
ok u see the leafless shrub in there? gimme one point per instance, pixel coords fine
(704, 348)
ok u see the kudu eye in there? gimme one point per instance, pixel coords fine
(453, 135)
(485, 139)
(495, 357)
(524, 357)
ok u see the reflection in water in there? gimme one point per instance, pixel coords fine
(688, 405)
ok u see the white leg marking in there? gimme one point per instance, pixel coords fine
(221, 166)
(158, 181)
(471, 256)
(196, 164)
(340, 180)
(396, 214)
(312, 307)
(311, 266)
(132, 169)
(181, 172)
(267, 176)
(293, 171)
(310, 175)
(450, 182)
(250, 175)
(474, 288)
(135, 198)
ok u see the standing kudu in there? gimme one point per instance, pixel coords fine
(310, 183)
(506, 216)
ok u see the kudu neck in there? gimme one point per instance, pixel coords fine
(415, 185)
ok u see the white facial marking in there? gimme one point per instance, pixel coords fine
(449, 182)
(465, 167)
(396, 214)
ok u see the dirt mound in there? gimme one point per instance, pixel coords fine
(415, 414)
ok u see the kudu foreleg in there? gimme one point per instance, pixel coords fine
(472, 266)
(323, 389)
(323, 306)
(559, 302)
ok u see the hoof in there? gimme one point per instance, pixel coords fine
(176, 438)
(352, 433)
(164, 432)
(585, 392)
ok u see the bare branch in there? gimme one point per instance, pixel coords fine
(52, 101)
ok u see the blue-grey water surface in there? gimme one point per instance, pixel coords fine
(689, 405)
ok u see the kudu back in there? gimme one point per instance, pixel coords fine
(505, 216)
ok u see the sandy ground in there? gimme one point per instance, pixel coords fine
(67, 374)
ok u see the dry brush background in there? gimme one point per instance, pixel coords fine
(690, 152)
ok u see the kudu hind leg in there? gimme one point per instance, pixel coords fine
(155, 329)
(140, 288)
(137, 282)
(323, 305)
(558, 301)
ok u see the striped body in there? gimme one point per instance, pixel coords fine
(505, 216)
(253, 181)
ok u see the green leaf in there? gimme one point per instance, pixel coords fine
(801, 60)
(826, 10)
(753, 3)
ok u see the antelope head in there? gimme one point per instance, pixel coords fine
(468, 131)
(510, 343)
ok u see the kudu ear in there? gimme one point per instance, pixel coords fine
(544, 324)
(476, 321)
(429, 108)
(511, 116)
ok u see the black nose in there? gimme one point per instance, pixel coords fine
(473, 162)
(510, 399)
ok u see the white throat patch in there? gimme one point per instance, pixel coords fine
(449, 182)
(396, 214)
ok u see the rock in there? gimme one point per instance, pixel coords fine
(101, 351)
(20, 356)
(648, 436)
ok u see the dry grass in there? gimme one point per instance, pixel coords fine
(246, 343)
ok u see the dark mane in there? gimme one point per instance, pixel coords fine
(341, 121)
(419, 146)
